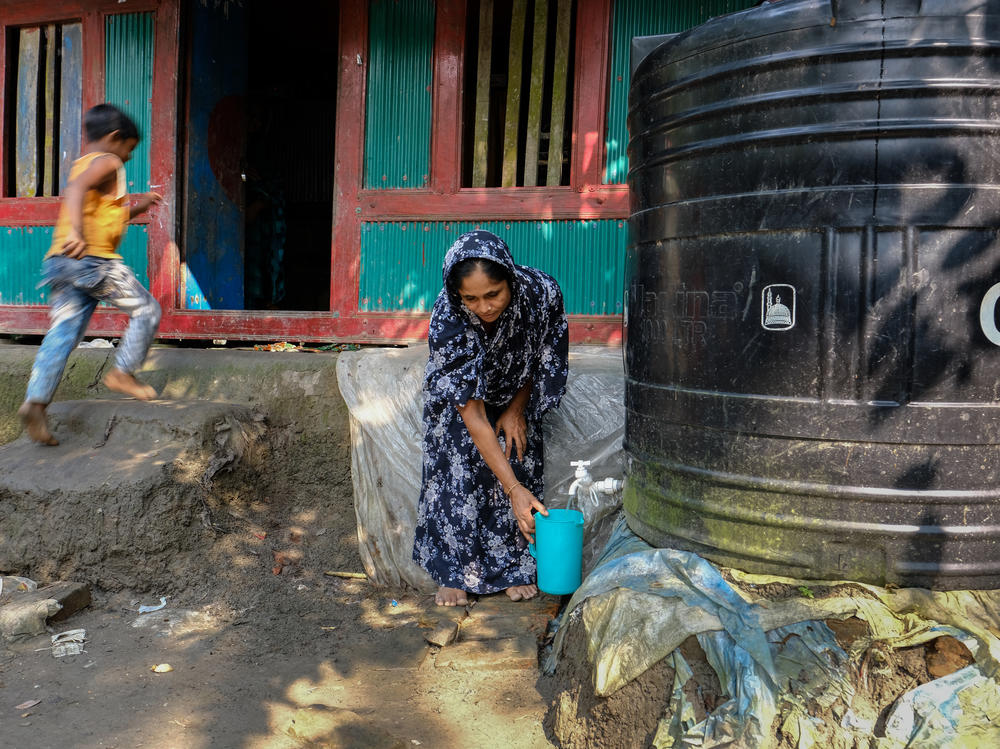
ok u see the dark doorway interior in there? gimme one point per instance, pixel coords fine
(259, 155)
(291, 111)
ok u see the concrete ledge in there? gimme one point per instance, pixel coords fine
(290, 387)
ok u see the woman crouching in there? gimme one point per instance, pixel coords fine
(498, 361)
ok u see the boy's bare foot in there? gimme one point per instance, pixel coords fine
(522, 592)
(35, 424)
(123, 382)
(451, 597)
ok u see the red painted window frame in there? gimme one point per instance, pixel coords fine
(44, 211)
(443, 199)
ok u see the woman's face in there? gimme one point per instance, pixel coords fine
(486, 298)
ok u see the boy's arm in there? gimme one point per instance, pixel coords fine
(143, 201)
(94, 176)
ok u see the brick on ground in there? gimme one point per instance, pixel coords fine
(21, 607)
(510, 654)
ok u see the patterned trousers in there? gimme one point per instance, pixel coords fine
(76, 287)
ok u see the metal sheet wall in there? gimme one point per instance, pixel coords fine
(644, 18)
(398, 116)
(129, 82)
(21, 252)
(23, 247)
(401, 261)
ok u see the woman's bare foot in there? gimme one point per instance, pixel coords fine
(451, 597)
(522, 592)
(35, 424)
(123, 382)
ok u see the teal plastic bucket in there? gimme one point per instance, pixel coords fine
(558, 548)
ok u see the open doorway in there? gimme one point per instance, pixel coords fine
(259, 154)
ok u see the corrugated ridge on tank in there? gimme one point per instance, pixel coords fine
(811, 337)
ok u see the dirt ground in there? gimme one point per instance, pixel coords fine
(579, 719)
(264, 648)
(306, 661)
(237, 523)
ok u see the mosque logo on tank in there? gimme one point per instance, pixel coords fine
(777, 307)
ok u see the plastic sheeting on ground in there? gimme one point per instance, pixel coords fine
(639, 604)
(382, 389)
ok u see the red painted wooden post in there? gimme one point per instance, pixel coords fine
(162, 243)
(446, 121)
(4, 135)
(345, 257)
(590, 93)
(93, 60)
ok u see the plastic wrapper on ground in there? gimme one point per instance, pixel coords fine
(778, 659)
(383, 392)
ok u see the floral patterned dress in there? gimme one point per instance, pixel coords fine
(467, 536)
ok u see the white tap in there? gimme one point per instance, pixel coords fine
(582, 479)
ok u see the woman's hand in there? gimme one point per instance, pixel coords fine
(523, 502)
(515, 430)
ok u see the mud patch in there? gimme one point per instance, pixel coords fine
(578, 718)
(134, 497)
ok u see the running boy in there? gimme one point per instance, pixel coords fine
(83, 269)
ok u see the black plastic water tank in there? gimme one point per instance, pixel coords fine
(813, 273)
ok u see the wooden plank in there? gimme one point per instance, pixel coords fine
(26, 156)
(70, 100)
(560, 74)
(48, 132)
(349, 151)
(446, 127)
(163, 253)
(592, 61)
(535, 94)
(513, 117)
(270, 326)
(490, 204)
(483, 78)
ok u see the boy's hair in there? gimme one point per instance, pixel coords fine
(107, 118)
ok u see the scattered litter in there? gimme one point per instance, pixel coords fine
(96, 343)
(260, 536)
(162, 668)
(300, 587)
(329, 629)
(414, 742)
(28, 703)
(69, 642)
(395, 602)
(88, 665)
(150, 609)
(286, 346)
(321, 532)
(279, 346)
(348, 575)
(13, 582)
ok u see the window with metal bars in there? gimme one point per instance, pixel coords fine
(518, 93)
(43, 107)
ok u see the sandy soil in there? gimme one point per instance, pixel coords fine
(311, 661)
(265, 649)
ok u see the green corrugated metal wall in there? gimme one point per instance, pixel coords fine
(644, 18)
(23, 247)
(21, 252)
(401, 261)
(129, 83)
(398, 116)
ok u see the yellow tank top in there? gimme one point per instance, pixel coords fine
(104, 216)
